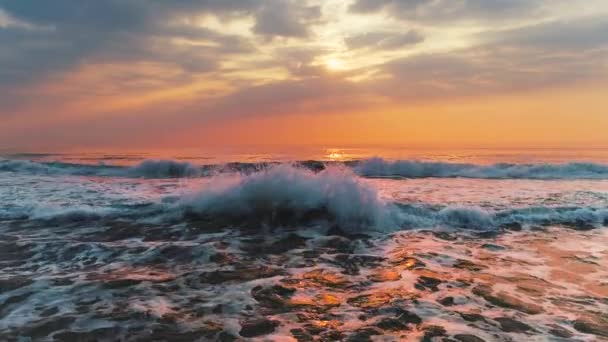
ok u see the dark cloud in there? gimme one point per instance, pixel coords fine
(279, 18)
(384, 40)
(449, 10)
(61, 36)
(299, 61)
(29, 53)
(44, 55)
(116, 15)
(64, 34)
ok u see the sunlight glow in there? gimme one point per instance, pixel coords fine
(335, 64)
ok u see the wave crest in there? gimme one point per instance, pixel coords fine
(150, 168)
(425, 216)
(296, 194)
(378, 167)
(470, 218)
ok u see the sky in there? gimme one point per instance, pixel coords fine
(77, 74)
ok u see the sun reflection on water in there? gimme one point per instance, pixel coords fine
(335, 155)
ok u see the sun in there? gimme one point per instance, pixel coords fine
(335, 64)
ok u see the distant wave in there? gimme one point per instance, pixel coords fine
(374, 167)
(164, 169)
(57, 168)
(50, 168)
(378, 167)
(149, 168)
(146, 169)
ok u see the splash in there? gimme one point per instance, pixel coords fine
(335, 194)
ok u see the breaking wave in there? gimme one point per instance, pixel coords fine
(289, 195)
(286, 193)
(378, 167)
(328, 201)
(278, 195)
(426, 216)
(276, 212)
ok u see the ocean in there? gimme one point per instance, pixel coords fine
(305, 244)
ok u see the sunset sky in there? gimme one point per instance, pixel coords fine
(186, 73)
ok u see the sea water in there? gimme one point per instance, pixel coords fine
(379, 244)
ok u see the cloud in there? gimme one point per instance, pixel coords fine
(562, 35)
(60, 35)
(67, 33)
(448, 10)
(312, 95)
(544, 55)
(279, 18)
(384, 40)
(117, 15)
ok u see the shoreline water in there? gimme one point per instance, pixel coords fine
(302, 253)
